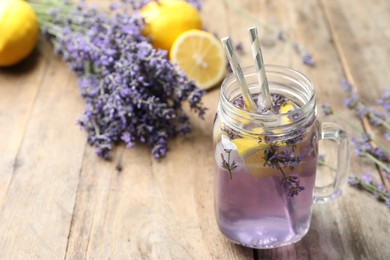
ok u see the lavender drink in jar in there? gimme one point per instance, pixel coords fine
(266, 163)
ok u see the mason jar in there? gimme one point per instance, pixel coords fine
(266, 162)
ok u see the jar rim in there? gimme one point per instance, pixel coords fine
(272, 69)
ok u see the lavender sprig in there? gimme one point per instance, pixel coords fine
(286, 158)
(133, 93)
(227, 165)
(369, 185)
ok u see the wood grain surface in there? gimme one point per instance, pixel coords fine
(58, 200)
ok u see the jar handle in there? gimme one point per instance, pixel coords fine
(331, 131)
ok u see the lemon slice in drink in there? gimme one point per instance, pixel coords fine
(200, 55)
(285, 108)
(252, 153)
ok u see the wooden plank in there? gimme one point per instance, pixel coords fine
(154, 209)
(19, 86)
(38, 205)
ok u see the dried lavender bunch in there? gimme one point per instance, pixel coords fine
(133, 93)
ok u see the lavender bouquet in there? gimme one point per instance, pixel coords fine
(132, 92)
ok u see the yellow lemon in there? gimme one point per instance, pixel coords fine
(18, 31)
(167, 19)
(200, 55)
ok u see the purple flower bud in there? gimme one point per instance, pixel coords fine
(367, 178)
(327, 109)
(307, 59)
(346, 86)
(281, 35)
(387, 201)
(353, 180)
(352, 101)
(387, 136)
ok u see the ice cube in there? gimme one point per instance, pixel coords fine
(234, 157)
(227, 144)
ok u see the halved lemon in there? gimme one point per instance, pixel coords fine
(200, 55)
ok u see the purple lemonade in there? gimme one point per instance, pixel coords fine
(264, 180)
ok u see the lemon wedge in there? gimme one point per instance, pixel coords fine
(200, 55)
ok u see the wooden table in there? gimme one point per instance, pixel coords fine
(59, 200)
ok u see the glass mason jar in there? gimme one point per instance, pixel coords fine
(266, 163)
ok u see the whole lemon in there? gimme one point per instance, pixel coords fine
(167, 19)
(18, 31)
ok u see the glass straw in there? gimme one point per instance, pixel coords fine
(236, 68)
(256, 52)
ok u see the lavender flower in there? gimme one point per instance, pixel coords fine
(385, 102)
(353, 181)
(196, 3)
(352, 101)
(366, 183)
(387, 200)
(367, 178)
(133, 93)
(227, 165)
(138, 4)
(291, 183)
(346, 86)
(281, 35)
(294, 190)
(327, 109)
(306, 57)
(239, 103)
(240, 48)
(232, 134)
(278, 101)
(275, 157)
